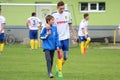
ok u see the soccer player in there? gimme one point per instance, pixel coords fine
(50, 42)
(63, 21)
(83, 34)
(2, 26)
(33, 24)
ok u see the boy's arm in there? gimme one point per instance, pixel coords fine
(43, 34)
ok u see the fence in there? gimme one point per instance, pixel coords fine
(98, 34)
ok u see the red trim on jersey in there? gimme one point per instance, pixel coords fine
(61, 22)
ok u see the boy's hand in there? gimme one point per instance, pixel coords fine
(48, 31)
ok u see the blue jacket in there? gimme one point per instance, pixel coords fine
(51, 41)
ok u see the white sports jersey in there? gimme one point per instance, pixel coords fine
(83, 24)
(2, 21)
(34, 23)
(62, 22)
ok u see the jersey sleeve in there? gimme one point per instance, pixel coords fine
(43, 34)
(3, 20)
(82, 25)
(70, 18)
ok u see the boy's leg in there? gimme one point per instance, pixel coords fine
(52, 58)
(48, 61)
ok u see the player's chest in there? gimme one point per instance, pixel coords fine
(61, 18)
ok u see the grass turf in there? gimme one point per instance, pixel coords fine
(18, 62)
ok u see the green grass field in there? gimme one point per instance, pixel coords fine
(20, 63)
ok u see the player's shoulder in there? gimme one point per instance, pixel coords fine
(83, 21)
(67, 11)
(53, 13)
(2, 17)
(29, 18)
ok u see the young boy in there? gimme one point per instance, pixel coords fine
(83, 34)
(50, 42)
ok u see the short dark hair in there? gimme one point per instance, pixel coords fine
(33, 13)
(85, 15)
(48, 18)
(60, 3)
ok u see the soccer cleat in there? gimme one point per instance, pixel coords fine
(60, 75)
(50, 75)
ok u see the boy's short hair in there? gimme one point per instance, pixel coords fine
(48, 18)
(33, 13)
(85, 15)
(60, 3)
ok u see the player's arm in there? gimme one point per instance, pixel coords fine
(27, 23)
(2, 27)
(40, 24)
(84, 32)
(72, 28)
(73, 31)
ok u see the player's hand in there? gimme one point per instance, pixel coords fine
(75, 38)
(85, 36)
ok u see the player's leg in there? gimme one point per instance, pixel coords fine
(82, 44)
(87, 42)
(1, 42)
(48, 62)
(31, 39)
(36, 39)
(59, 63)
(65, 50)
